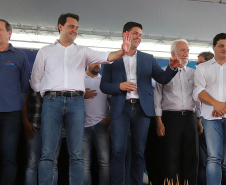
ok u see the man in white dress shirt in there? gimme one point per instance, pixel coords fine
(202, 57)
(58, 74)
(96, 133)
(177, 121)
(210, 89)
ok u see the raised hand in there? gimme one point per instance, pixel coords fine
(126, 42)
(174, 63)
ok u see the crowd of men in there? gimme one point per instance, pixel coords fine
(112, 112)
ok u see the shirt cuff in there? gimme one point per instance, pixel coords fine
(36, 87)
(106, 57)
(158, 112)
(196, 94)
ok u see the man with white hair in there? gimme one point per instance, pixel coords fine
(177, 121)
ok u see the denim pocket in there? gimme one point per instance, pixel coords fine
(78, 99)
(49, 98)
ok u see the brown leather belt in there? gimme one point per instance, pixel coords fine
(64, 93)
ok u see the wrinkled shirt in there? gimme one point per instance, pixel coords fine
(210, 77)
(177, 94)
(14, 79)
(59, 68)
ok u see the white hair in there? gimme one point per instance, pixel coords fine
(174, 44)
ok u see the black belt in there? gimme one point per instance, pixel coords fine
(64, 93)
(183, 112)
(133, 100)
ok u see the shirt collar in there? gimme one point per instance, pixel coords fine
(135, 55)
(183, 69)
(57, 42)
(11, 48)
(213, 61)
(98, 76)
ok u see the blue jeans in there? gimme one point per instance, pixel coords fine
(131, 119)
(33, 149)
(57, 110)
(215, 134)
(128, 160)
(99, 137)
(10, 124)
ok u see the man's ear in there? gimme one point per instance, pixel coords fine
(10, 33)
(173, 54)
(60, 27)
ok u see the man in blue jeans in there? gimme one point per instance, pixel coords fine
(210, 89)
(58, 74)
(129, 81)
(96, 133)
(202, 57)
(14, 85)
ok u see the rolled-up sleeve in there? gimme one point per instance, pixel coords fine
(199, 83)
(37, 71)
(93, 56)
(158, 99)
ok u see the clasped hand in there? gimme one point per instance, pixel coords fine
(89, 94)
(219, 109)
(128, 86)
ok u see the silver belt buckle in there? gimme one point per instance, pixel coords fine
(133, 100)
(61, 93)
(183, 113)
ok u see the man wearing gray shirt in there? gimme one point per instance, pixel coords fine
(177, 121)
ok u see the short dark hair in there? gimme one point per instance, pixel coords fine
(7, 25)
(129, 25)
(218, 37)
(63, 19)
(207, 55)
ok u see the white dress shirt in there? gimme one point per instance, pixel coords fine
(211, 77)
(177, 94)
(97, 108)
(59, 68)
(130, 63)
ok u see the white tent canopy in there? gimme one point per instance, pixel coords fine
(163, 20)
